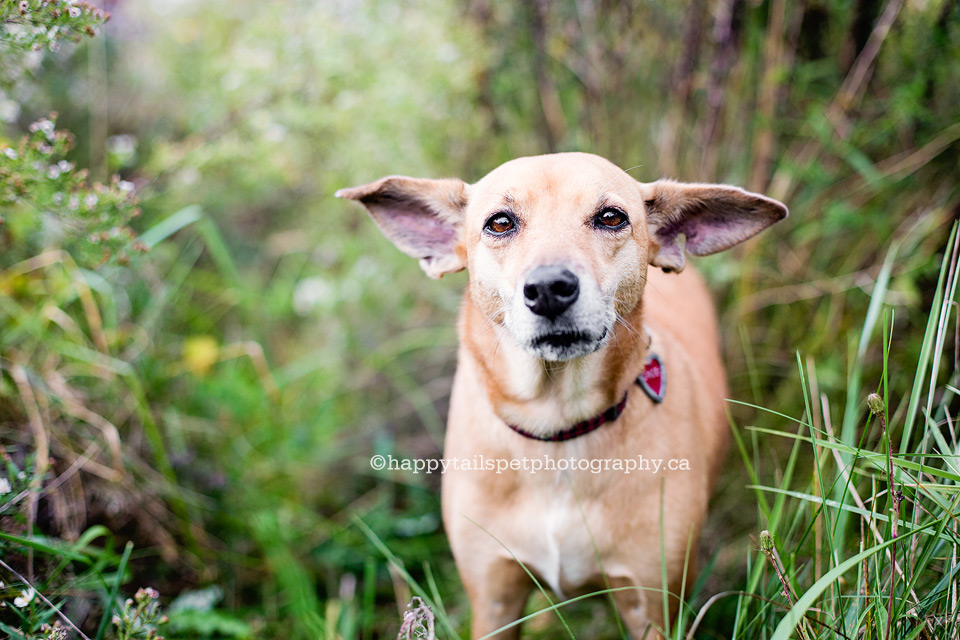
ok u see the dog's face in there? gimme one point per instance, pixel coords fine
(557, 246)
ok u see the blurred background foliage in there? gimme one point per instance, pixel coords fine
(216, 400)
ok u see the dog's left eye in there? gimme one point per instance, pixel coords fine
(611, 218)
(499, 224)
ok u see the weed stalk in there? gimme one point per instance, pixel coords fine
(769, 549)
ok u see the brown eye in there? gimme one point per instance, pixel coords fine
(499, 224)
(611, 218)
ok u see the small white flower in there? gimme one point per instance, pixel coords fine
(33, 59)
(312, 293)
(151, 593)
(9, 110)
(25, 598)
(122, 144)
(24, 6)
(11, 153)
(65, 166)
(4, 489)
(275, 132)
(74, 12)
(22, 475)
(90, 201)
(44, 125)
(125, 185)
(74, 203)
(53, 172)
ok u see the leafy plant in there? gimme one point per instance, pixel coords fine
(140, 617)
(46, 202)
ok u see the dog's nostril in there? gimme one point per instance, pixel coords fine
(563, 288)
(530, 292)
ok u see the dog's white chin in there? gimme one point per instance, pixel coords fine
(561, 354)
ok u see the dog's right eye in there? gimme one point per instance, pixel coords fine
(499, 224)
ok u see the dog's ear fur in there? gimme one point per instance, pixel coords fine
(422, 217)
(711, 218)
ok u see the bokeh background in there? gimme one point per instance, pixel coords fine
(215, 400)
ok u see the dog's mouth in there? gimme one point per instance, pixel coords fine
(563, 339)
(566, 344)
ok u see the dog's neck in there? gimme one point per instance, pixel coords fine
(544, 397)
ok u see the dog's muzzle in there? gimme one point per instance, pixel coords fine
(558, 314)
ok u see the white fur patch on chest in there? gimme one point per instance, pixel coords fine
(559, 544)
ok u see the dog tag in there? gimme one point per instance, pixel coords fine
(653, 379)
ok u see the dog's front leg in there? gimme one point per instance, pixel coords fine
(641, 610)
(498, 593)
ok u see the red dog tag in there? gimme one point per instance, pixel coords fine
(653, 379)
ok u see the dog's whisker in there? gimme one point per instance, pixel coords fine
(496, 345)
(637, 338)
(629, 327)
(617, 176)
(492, 324)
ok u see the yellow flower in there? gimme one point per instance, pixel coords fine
(200, 353)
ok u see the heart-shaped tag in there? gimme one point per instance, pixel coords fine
(653, 379)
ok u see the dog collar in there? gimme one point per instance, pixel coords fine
(652, 380)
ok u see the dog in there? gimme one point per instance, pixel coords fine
(567, 340)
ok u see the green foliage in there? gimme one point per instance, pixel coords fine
(193, 613)
(46, 203)
(902, 579)
(32, 25)
(79, 571)
(139, 617)
(13, 481)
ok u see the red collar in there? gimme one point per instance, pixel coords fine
(652, 380)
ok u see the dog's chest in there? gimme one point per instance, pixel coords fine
(562, 546)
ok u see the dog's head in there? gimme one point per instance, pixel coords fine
(557, 246)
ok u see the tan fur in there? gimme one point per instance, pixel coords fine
(576, 530)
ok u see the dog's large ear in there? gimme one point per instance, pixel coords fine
(422, 217)
(711, 218)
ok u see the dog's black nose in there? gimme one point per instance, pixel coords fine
(550, 290)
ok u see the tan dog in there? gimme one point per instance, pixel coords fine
(560, 317)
